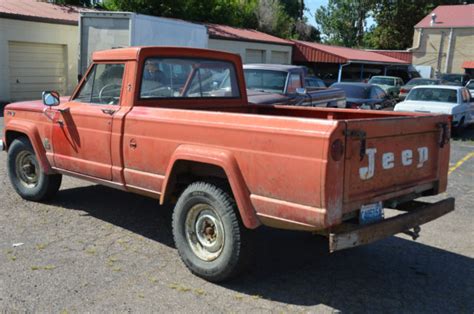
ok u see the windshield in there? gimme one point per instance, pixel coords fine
(433, 94)
(353, 91)
(265, 80)
(470, 85)
(382, 81)
(422, 82)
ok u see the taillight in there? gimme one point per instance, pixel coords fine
(404, 90)
(337, 150)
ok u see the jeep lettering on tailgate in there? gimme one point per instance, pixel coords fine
(388, 160)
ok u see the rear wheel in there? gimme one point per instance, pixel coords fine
(26, 175)
(208, 233)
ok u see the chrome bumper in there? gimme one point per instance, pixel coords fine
(2, 146)
(417, 214)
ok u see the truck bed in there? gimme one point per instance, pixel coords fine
(273, 153)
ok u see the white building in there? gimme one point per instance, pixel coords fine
(38, 49)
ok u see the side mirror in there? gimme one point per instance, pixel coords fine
(301, 91)
(50, 98)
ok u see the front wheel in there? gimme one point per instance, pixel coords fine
(208, 233)
(26, 175)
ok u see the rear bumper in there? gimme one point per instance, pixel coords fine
(2, 146)
(417, 214)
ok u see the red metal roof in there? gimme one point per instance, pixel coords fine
(450, 16)
(397, 54)
(313, 52)
(468, 64)
(40, 11)
(243, 34)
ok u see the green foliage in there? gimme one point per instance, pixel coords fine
(396, 19)
(343, 21)
(277, 17)
(81, 3)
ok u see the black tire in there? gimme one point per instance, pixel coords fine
(34, 185)
(232, 252)
(459, 128)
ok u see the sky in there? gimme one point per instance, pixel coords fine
(312, 5)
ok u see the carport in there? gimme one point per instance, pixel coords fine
(334, 63)
(468, 67)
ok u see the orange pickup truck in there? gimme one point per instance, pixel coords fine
(174, 124)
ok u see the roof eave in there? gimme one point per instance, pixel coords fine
(36, 19)
(250, 40)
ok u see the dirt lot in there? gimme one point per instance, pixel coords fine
(96, 249)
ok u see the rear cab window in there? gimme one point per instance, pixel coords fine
(171, 77)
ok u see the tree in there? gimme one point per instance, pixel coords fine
(343, 22)
(282, 18)
(396, 20)
(82, 3)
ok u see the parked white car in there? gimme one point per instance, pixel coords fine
(453, 100)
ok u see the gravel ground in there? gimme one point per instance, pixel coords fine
(95, 249)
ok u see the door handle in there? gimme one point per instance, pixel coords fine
(108, 111)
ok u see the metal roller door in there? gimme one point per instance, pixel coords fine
(279, 57)
(254, 56)
(35, 67)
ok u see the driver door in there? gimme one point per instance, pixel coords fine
(82, 127)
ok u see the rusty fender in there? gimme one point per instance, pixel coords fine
(225, 160)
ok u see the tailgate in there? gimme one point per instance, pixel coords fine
(395, 156)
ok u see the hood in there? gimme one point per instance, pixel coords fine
(425, 106)
(32, 105)
(262, 98)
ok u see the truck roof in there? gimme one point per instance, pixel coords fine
(275, 67)
(134, 53)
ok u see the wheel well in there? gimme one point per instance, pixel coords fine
(13, 135)
(186, 172)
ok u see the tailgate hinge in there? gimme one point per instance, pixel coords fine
(444, 135)
(361, 136)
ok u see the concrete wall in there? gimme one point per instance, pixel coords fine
(37, 32)
(239, 47)
(434, 48)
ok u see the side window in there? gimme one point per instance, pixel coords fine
(188, 77)
(103, 85)
(373, 93)
(377, 93)
(293, 83)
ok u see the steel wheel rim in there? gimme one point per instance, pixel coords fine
(27, 169)
(204, 232)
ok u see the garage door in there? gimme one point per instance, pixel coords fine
(254, 56)
(35, 67)
(279, 57)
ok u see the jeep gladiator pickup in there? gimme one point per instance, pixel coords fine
(281, 84)
(175, 124)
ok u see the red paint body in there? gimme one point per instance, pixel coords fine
(277, 159)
